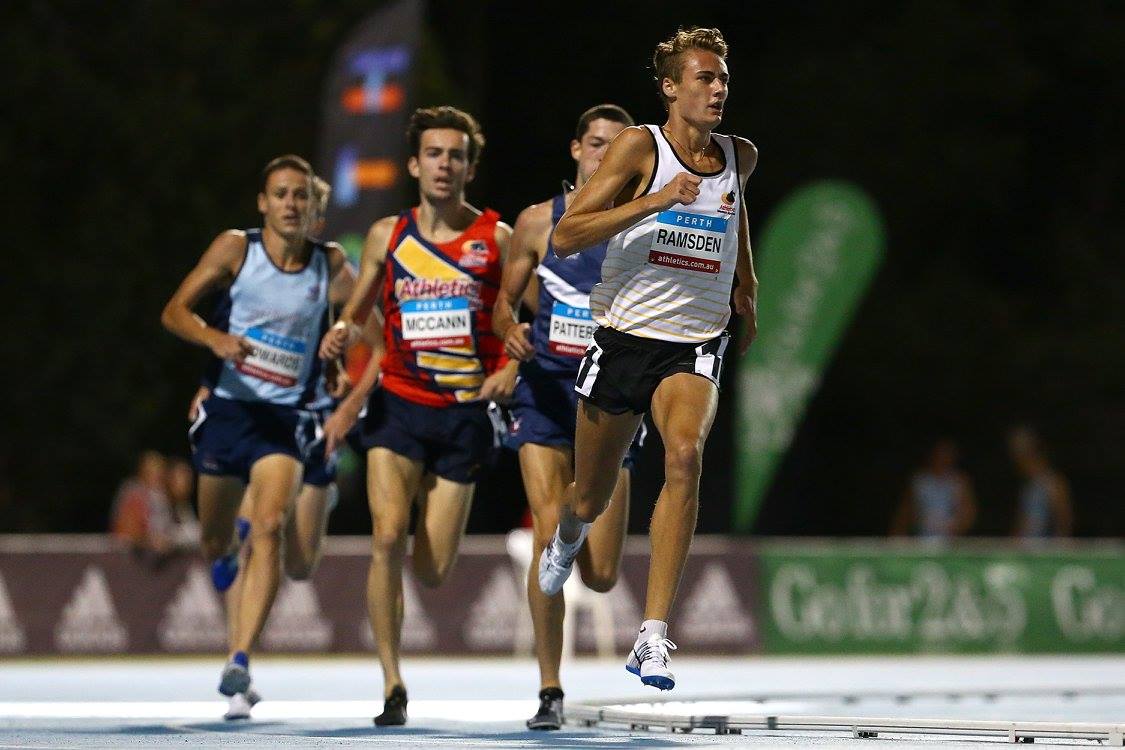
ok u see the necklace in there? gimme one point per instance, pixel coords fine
(690, 153)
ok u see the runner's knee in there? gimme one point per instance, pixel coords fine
(388, 535)
(430, 573)
(267, 526)
(600, 578)
(683, 459)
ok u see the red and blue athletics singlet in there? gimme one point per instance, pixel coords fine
(438, 300)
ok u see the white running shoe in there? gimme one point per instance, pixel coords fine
(556, 564)
(235, 679)
(649, 661)
(241, 703)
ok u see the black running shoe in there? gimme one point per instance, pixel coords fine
(394, 709)
(550, 714)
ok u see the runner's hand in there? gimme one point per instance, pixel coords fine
(338, 425)
(234, 348)
(683, 188)
(336, 340)
(336, 379)
(499, 385)
(200, 396)
(746, 305)
(517, 343)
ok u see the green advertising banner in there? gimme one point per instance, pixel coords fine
(818, 252)
(835, 598)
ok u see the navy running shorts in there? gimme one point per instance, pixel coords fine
(320, 470)
(228, 437)
(619, 372)
(454, 442)
(544, 408)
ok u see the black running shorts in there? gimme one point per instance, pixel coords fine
(620, 372)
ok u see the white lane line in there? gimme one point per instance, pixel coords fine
(453, 710)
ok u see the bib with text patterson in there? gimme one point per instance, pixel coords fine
(437, 323)
(275, 358)
(689, 241)
(571, 329)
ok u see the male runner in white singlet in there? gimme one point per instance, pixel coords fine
(670, 201)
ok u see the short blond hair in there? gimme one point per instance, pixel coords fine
(321, 191)
(668, 60)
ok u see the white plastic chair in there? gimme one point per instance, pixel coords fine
(578, 597)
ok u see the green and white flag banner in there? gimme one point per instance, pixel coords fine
(819, 252)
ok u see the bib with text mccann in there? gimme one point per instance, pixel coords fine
(572, 328)
(437, 323)
(689, 241)
(275, 358)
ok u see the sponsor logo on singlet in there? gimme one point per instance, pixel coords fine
(571, 330)
(408, 289)
(727, 205)
(437, 323)
(688, 241)
(474, 254)
(275, 358)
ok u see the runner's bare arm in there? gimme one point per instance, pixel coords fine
(499, 385)
(216, 269)
(347, 411)
(364, 293)
(528, 245)
(593, 218)
(746, 293)
(341, 274)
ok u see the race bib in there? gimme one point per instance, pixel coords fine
(571, 330)
(275, 358)
(437, 323)
(692, 242)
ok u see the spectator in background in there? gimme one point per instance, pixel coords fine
(1044, 502)
(940, 503)
(180, 490)
(141, 517)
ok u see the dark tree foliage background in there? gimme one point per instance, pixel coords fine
(989, 133)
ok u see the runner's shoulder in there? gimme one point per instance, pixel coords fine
(229, 246)
(634, 140)
(384, 225)
(747, 153)
(535, 217)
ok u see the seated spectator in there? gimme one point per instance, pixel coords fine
(1044, 502)
(140, 516)
(940, 502)
(180, 490)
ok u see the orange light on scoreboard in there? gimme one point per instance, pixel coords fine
(375, 174)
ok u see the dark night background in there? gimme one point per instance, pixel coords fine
(989, 134)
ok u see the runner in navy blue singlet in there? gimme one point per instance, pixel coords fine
(544, 403)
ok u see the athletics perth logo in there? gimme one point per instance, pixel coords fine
(474, 254)
(727, 205)
(376, 89)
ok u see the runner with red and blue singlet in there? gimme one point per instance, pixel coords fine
(428, 430)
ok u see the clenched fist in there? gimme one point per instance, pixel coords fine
(682, 189)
